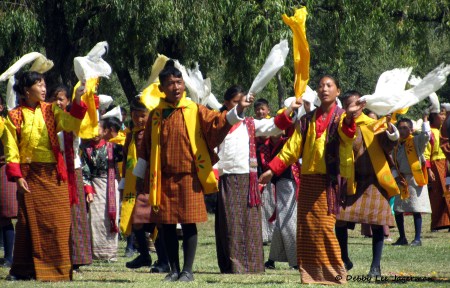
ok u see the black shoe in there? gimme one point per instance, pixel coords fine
(434, 230)
(270, 264)
(159, 268)
(374, 272)
(139, 262)
(348, 265)
(171, 277)
(186, 276)
(400, 242)
(416, 243)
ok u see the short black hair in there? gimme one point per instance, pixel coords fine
(137, 105)
(169, 70)
(123, 110)
(230, 93)
(432, 117)
(259, 102)
(26, 80)
(112, 123)
(407, 121)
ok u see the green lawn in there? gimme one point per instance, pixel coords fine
(432, 260)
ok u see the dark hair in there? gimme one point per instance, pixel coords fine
(169, 70)
(350, 93)
(55, 90)
(123, 110)
(137, 105)
(432, 117)
(112, 123)
(230, 94)
(26, 80)
(338, 85)
(407, 121)
(259, 102)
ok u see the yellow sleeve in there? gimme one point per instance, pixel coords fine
(289, 154)
(65, 121)
(2, 126)
(346, 166)
(9, 139)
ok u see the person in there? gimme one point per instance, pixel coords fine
(262, 111)
(318, 139)
(124, 113)
(35, 163)
(411, 176)
(80, 230)
(8, 199)
(135, 215)
(366, 229)
(440, 202)
(261, 108)
(371, 187)
(99, 158)
(238, 215)
(176, 161)
(284, 246)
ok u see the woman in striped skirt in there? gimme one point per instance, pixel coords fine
(317, 141)
(34, 161)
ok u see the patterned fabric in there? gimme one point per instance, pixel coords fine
(181, 197)
(8, 196)
(254, 197)
(332, 143)
(284, 246)
(268, 207)
(41, 248)
(318, 252)
(16, 117)
(70, 164)
(104, 242)
(101, 162)
(440, 206)
(370, 204)
(238, 228)
(80, 231)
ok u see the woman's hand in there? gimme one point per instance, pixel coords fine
(265, 177)
(244, 103)
(297, 103)
(90, 198)
(22, 186)
(79, 92)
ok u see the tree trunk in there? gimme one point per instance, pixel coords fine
(58, 45)
(127, 83)
(281, 91)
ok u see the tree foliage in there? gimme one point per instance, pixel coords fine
(353, 40)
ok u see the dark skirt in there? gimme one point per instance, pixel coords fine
(42, 244)
(81, 231)
(238, 227)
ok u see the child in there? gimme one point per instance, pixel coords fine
(99, 159)
(135, 207)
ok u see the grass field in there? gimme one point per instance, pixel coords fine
(431, 261)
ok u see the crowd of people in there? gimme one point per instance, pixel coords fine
(294, 183)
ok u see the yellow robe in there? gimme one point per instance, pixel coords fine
(313, 160)
(34, 144)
